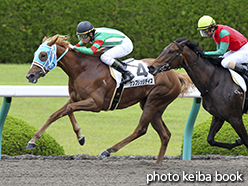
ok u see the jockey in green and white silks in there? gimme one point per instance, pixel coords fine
(226, 38)
(116, 44)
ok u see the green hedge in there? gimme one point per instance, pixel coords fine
(151, 25)
(16, 135)
(200, 146)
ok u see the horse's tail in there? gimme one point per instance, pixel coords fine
(186, 83)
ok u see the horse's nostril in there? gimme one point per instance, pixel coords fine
(28, 76)
(151, 69)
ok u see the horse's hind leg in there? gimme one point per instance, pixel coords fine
(240, 129)
(76, 128)
(139, 131)
(214, 128)
(164, 134)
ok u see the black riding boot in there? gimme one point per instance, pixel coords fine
(243, 69)
(126, 75)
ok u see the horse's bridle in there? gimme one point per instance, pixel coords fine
(51, 61)
(179, 53)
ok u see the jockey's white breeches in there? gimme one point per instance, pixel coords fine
(118, 51)
(239, 56)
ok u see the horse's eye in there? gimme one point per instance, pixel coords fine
(43, 56)
(171, 52)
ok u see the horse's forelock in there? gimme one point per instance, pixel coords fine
(192, 45)
(179, 40)
(195, 47)
(62, 40)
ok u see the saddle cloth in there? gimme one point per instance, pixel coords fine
(142, 77)
(238, 79)
(139, 70)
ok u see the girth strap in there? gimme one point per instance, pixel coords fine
(115, 101)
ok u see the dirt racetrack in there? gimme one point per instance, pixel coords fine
(117, 171)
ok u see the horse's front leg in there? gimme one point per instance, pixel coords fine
(87, 104)
(56, 115)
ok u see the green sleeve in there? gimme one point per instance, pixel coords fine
(84, 50)
(81, 43)
(221, 50)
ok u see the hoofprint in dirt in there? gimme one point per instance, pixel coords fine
(128, 171)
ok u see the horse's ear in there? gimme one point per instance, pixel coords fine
(53, 41)
(44, 39)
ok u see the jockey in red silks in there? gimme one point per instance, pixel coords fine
(226, 38)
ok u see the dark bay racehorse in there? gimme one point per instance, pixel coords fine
(222, 98)
(91, 88)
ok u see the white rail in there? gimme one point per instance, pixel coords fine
(9, 91)
(33, 91)
(52, 91)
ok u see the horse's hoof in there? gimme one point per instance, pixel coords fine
(30, 146)
(239, 141)
(82, 141)
(105, 154)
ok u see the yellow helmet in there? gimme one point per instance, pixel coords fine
(205, 22)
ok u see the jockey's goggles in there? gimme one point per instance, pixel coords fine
(82, 36)
(204, 33)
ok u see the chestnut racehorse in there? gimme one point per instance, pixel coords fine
(91, 88)
(222, 97)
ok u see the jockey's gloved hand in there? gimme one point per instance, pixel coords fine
(201, 52)
(71, 46)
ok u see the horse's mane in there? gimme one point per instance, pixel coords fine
(195, 47)
(62, 40)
